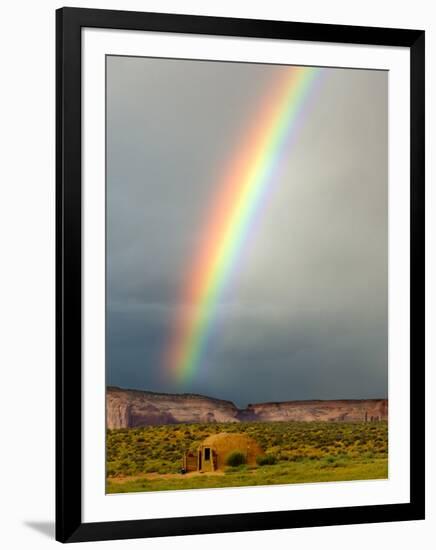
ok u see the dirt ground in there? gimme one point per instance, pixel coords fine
(122, 479)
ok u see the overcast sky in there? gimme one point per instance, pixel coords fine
(305, 316)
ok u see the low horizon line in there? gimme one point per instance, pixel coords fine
(109, 386)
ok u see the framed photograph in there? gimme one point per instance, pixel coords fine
(240, 274)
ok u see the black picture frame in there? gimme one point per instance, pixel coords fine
(69, 525)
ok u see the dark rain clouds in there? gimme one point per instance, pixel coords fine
(305, 315)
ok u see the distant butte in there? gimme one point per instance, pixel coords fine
(134, 408)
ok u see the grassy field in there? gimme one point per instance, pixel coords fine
(149, 458)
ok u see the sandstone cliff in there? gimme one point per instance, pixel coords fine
(332, 411)
(130, 408)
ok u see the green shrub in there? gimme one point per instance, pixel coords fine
(235, 458)
(266, 460)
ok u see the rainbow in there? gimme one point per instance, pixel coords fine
(240, 195)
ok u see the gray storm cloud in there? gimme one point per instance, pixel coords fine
(305, 313)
